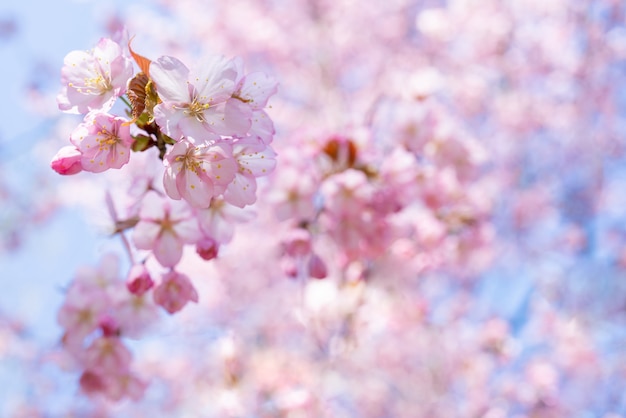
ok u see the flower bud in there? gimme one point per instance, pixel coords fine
(91, 383)
(207, 248)
(139, 280)
(109, 326)
(297, 242)
(289, 267)
(67, 161)
(317, 267)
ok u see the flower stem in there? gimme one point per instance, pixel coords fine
(127, 102)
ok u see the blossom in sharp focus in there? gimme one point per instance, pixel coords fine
(198, 103)
(254, 159)
(94, 79)
(104, 142)
(198, 173)
(174, 291)
(164, 227)
(255, 89)
(262, 127)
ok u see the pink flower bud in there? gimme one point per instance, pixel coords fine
(297, 242)
(317, 267)
(289, 267)
(67, 161)
(109, 326)
(139, 280)
(207, 248)
(91, 383)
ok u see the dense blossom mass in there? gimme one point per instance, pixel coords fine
(404, 209)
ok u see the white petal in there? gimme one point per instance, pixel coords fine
(214, 79)
(170, 76)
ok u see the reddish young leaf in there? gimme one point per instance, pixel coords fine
(142, 62)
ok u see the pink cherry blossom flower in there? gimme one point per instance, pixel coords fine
(219, 219)
(107, 354)
(82, 312)
(254, 159)
(119, 385)
(165, 227)
(104, 142)
(174, 291)
(198, 173)
(348, 192)
(254, 89)
(134, 313)
(293, 194)
(67, 161)
(105, 275)
(262, 127)
(198, 103)
(94, 79)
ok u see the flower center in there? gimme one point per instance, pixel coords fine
(189, 161)
(106, 139)
(196, 109)
(97, 84)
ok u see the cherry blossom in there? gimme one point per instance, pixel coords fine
(104, 142)
(164, 227)
(174, 292)
(92, 80)
(198, 103)
(198, 173)
(219, 219)
(254, 160)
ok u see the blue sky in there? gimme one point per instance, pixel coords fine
(32, 277)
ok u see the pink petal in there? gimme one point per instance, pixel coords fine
(145, 234)
(169, 183)
(196, 190)
(231, 118)
(257, 89)
(170, 76)
(214, 79)
(242, 191)
(152, 207)
(168, 250)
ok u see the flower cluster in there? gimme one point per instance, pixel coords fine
(213, 139)
(97, 312)
(208, 122)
